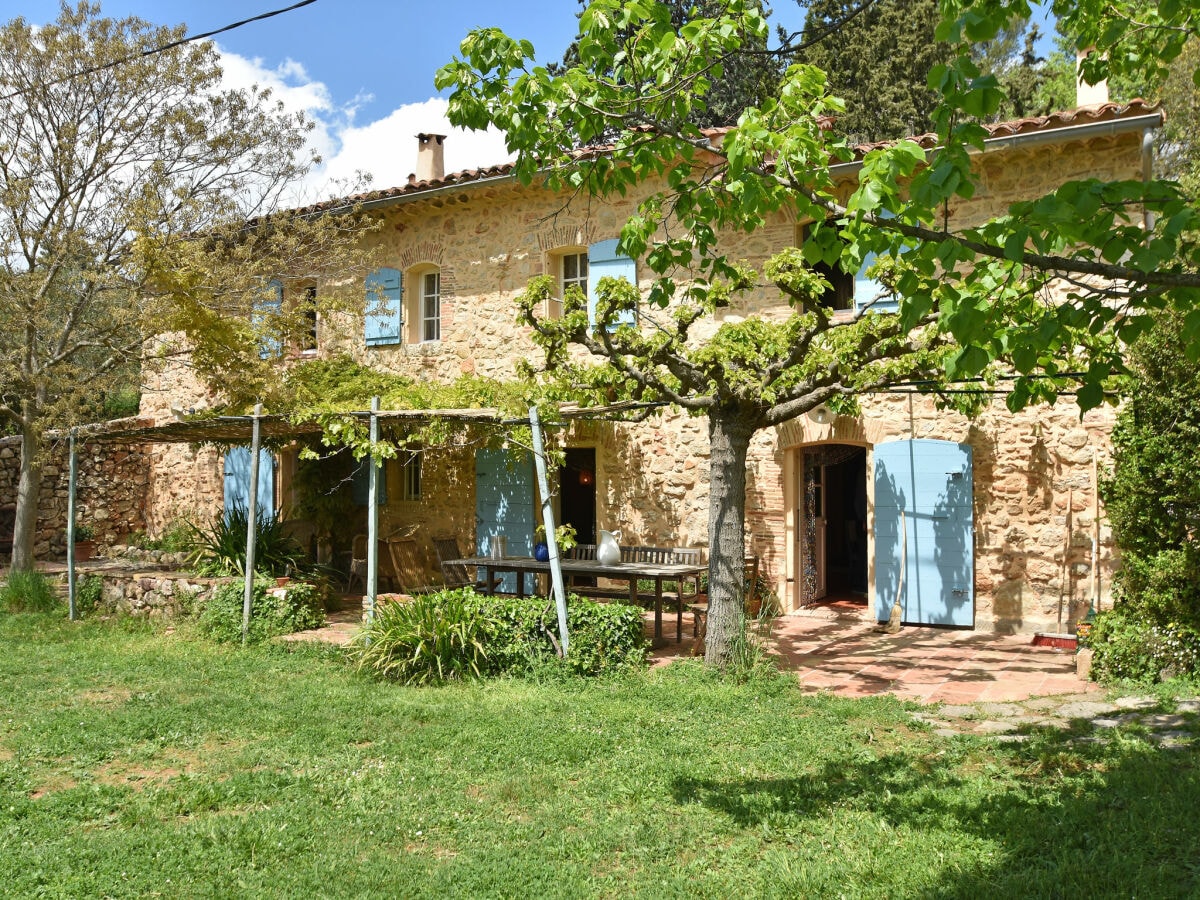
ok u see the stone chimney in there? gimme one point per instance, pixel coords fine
(1088, 94)
(431, 165)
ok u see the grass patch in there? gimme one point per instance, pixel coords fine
(28, 592)
(134, 762)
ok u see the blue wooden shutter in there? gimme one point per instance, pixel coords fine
(504, 505)
(605, 262)
(384, 315)
(930, 481)
(360, 483)
(237, 481)
(264, 308)
(867, 289)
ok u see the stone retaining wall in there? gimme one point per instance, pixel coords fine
(152, 594)
(155, 595)
(110, 494)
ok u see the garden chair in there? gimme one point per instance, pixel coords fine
(409, 568)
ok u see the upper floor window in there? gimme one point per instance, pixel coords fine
(431, 306)
(308, 314)
(574, 271)
(266, 315)
(384, 314)
(849, 291)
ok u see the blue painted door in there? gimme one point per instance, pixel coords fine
(504, 505)
(930, 483)
(237, 481)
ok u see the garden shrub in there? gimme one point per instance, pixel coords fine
(220, 549)
(432, 638)
(88, 592)
(1152, 498)
(1127, 646)
(28, 592)
(272, 612)
(604, 637)
(460, 634)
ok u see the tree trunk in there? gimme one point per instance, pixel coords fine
(729, 433)
(29, 487)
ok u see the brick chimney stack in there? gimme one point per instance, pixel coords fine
(431, 165)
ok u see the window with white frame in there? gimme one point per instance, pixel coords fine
(410, 475)
(574, 271)
(431, 306)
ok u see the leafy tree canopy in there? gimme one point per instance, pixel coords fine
(741, 79)
(138, 199)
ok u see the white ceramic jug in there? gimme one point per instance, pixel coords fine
(608, 551)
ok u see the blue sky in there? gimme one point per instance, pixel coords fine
(363, 69)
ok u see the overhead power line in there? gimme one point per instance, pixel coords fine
(164, 47)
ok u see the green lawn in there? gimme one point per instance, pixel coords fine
(134, 763)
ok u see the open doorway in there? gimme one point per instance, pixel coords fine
(577, 492)
(833, 532)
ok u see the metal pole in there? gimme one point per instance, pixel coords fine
(373, 516)
(251, 522)
(556, 577)
(1095, 532)
(74, 469)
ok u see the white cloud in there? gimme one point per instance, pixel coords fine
(386, 149)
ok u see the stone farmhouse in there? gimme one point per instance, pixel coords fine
(1004, 529)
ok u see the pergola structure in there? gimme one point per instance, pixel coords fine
(253, 429)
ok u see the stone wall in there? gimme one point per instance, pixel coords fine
(111, 491)
(156, 595)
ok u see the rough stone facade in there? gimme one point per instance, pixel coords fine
(1034, 486)
(111, 494)
(156, 595)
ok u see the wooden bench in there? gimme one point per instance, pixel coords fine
(637, 553)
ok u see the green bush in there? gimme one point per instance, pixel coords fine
(28, 592)
(272, 612)
(1129, 647)
(88, 592)
(461, 634)
(220, 549)
(433, 638)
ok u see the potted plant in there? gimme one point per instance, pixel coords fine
(564, 535)
(85, 544)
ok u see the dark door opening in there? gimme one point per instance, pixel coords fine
(846, 524)
(833, 538)
(577, 492)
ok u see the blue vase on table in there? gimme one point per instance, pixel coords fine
(541, 552)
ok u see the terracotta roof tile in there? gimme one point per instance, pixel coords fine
(1065, 119)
